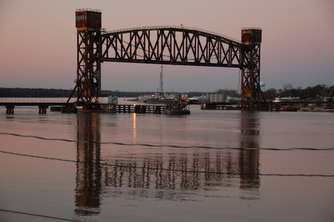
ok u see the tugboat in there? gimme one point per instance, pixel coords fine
(178, 107)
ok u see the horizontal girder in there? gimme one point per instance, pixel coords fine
(171, 45)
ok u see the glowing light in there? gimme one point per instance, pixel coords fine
(134, 126)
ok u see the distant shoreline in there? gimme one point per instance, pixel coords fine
(310, 93)
(39, 92)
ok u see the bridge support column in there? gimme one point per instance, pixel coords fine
(10, 109)
(251, 95)
(88, 82)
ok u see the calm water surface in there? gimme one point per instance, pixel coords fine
(106, 180)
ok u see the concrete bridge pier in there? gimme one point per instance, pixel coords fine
(10, 109)
(42, 109)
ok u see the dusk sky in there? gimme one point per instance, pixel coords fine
(38, 42)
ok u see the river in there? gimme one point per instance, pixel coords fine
(208, 166)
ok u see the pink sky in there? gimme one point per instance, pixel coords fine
(38, 47)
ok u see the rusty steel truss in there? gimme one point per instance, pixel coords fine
(251, 94)
(88, 82)
(170, 45)
(165, 45)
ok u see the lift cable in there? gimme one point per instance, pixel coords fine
(38, 215)
(167, 145)
(100, 163)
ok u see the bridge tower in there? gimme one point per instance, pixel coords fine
(251, 95)
(88, 82)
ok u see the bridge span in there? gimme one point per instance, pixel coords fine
(42, 103)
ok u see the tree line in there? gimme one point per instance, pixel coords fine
(311, 92)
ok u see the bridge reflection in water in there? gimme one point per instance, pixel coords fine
(158, 174)
(249, 159)
(88, 177)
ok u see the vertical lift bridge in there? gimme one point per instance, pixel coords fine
(173, 45)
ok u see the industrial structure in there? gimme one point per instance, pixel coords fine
(162, 45)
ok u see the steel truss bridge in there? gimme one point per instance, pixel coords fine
(172, 45)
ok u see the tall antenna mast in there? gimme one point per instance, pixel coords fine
(161, 82)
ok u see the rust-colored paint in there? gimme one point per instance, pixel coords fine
(251, 36)
(87, 20)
